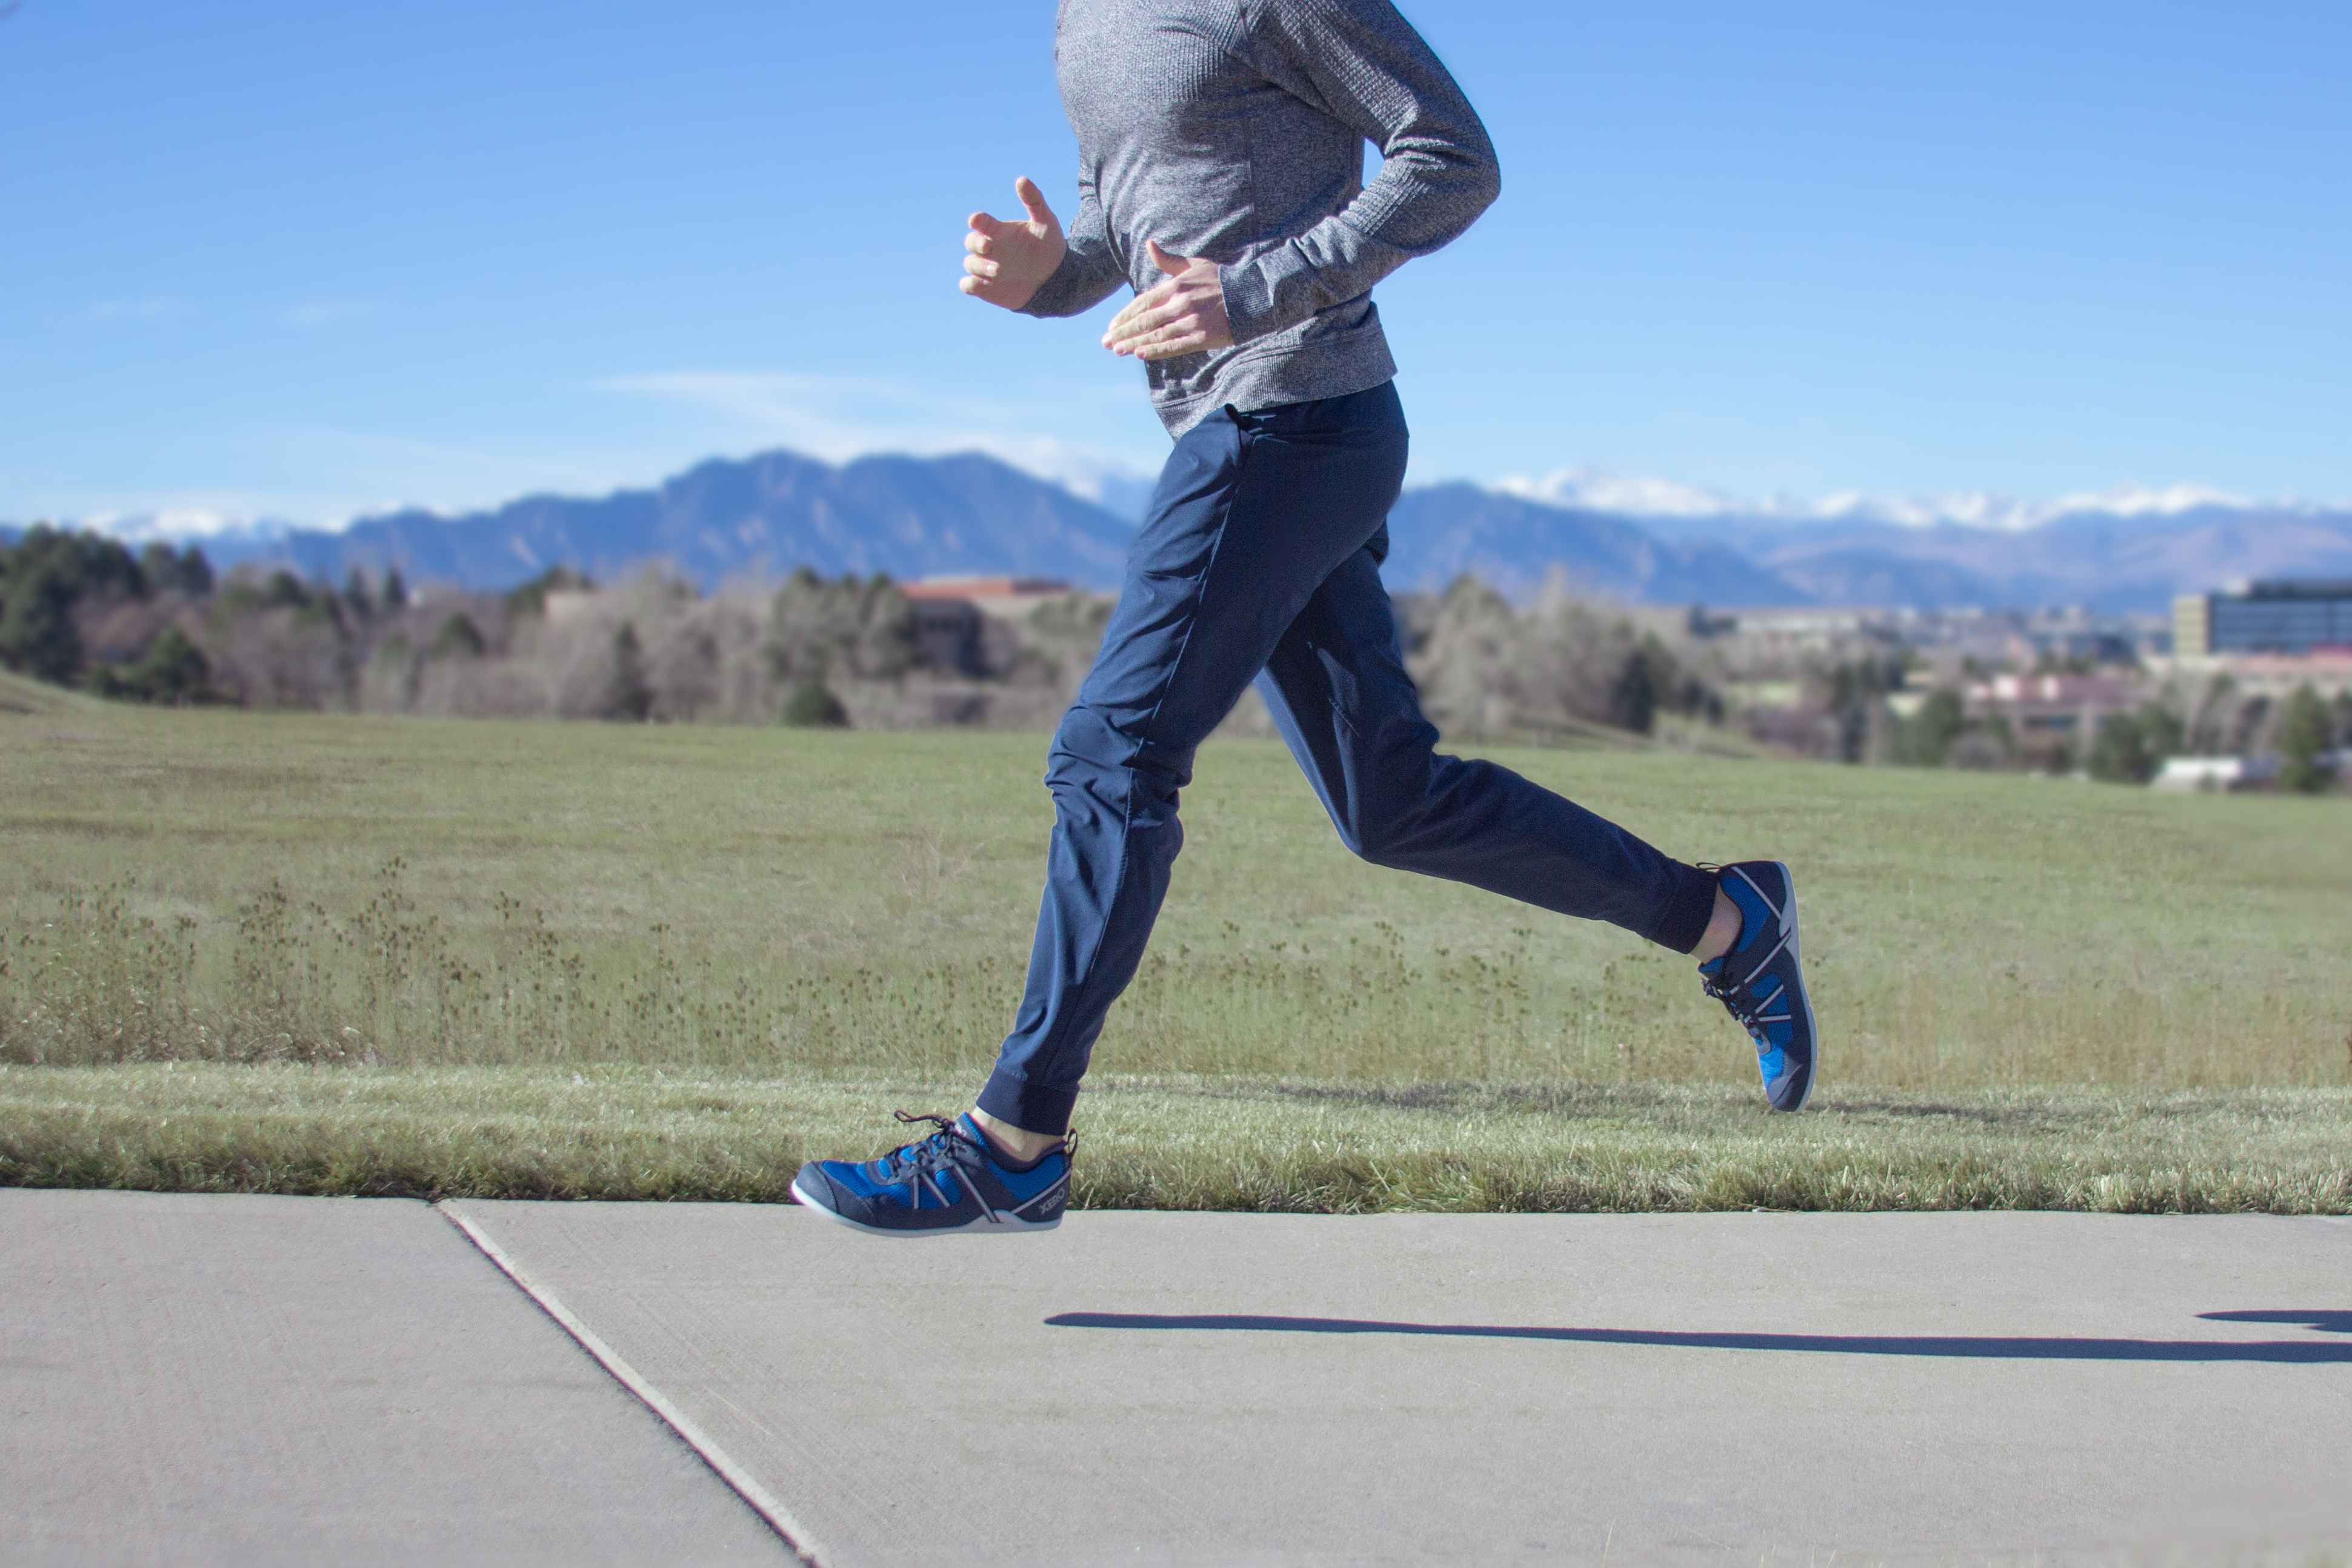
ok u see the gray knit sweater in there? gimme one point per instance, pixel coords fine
(1234, 129)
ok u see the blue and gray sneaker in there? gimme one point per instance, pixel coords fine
(1761, 982)
(954, 1180)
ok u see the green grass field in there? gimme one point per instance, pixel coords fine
(317, 954)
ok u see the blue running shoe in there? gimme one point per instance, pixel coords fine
(952, 1181)
(1761, 982)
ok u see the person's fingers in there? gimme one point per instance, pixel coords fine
(1164, 260)
(1143, 304)
(1174, 347)
(978, 244)
(1185, 335)
(1143, 323)
(981, 267)
(1033, 201)
(982, 224)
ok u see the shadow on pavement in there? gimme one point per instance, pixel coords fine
(2325, 1321)
(1985, 1347)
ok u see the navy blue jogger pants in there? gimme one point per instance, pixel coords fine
(1260, 560)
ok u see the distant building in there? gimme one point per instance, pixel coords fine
(2051, 704)
(953, 616)
(996, 595)
(2287, 615)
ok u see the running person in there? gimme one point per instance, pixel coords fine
(1219, 150)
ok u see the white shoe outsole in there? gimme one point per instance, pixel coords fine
(984, 1225)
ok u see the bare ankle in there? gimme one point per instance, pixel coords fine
(1722, 929)
(1018, 1144)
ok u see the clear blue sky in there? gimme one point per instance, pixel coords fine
(280, 257)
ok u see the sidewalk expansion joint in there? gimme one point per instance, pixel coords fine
(738, 1480)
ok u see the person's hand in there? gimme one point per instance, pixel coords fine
(1006, 262)
(1183, 315)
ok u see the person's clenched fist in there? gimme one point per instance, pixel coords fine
(1005, 263)
(1184, 314)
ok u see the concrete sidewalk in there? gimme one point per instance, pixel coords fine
(256, 1380)
(217, 1379)
(1229, 1388)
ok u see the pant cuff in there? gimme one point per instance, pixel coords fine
(1687, 910)
(1035, 1107)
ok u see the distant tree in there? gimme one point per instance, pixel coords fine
(2341, 716)
(2303, 735)
(809, 706)
(2163, 731)
(818, 629)
(1926, 737)
(1634, 695)
(628, 695)
(159, 563)
(173, 670)
(683, 668)
(2249, 725)
(36, 629)
(460, 638)
(2119, 752)
(168, 571)
(395, 590)
(358, 597)
(284, 590)
(885, 649)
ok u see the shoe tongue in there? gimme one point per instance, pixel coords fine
(1714, 967)
(970, 1129)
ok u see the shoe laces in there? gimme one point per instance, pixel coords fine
(927, 1153)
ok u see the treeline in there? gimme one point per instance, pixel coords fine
(80, 610)
(1488, 667)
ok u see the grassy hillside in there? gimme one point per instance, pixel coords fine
(838, 920)
(21, 697)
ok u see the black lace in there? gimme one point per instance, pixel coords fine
(930, 1153)
(1738, 1000)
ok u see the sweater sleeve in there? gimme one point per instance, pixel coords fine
(1362, 64)
(1090, 268)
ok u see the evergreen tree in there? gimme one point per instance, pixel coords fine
(460, 638)
(395, 590)
(2119, 751)
(2303, 734)
(37, 637)
(159, 564)
(173, 670)
(1634, 695)
(628, 695)
(1926, 738)
(810, 705)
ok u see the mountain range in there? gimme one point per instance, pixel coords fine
(913, 517)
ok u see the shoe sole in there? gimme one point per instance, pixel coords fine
(982, 1225)
(1812, 1032)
